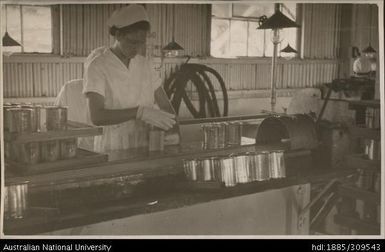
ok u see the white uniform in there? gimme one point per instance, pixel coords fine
(121, 88)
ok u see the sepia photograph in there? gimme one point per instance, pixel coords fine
(191, 119)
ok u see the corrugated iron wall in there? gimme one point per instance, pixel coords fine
(84, 27)
(45, 78)
(38, 79)
(321, 30)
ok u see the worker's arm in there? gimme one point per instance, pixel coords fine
(102, 116)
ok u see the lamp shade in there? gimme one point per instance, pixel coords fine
(277, 21)
(289, 49)
(172, 46)
(369, 49)
(8, 41)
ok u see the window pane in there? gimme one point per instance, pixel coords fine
(13, 27)
(256, 40)
(252, 10)
(37, 28)
(221, 10)
(220, 35)
(290, 10)
(238, 38)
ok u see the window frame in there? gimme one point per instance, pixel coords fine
(254, 19)
(55, 36)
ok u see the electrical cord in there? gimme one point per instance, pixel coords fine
(201, 77)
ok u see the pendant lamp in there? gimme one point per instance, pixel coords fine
(172, 49)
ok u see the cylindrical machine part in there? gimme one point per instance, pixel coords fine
(20, 120)
(27, 153)
(297, 131)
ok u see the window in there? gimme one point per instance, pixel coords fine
(234, 30)
(29, 25)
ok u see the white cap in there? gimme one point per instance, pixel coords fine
(128, 15)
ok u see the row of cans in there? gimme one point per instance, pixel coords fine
(237, 169)
(372, 118)
(369, 180)
(220, 135)
(40, 152)
(21, 118)
(372, 149)
(15, 201)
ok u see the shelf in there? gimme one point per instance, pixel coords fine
(357, 193)
(83, 158)
(366, 133)
(364, 103)
(363, 227)
(74, 130)
(358, 161)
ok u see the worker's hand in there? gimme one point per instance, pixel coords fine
(156, 117)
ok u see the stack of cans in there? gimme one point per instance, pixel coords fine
(220, 135)
(237, 169)
(15, 201)
(23, 118)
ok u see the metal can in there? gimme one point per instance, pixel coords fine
(156, 140)
(56, 118)
(50, 151)
(68, 148)
(209, 167)
(6, 116)
(17, 200)
(191, 168)
(6, 203)
(221, 137)
(377, 182)
(377, 118)
(20, 120)
(27, 153)
(365, 179)
(227, 171)
(262, 166)
(373, 149)
(241, 168)
(212, 137)
(234, 133)
(34, 116)
(369, 117)
(277, 164)
(41, 118)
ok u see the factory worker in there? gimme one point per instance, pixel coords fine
(120, 85)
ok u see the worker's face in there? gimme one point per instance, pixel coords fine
(130, 44)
